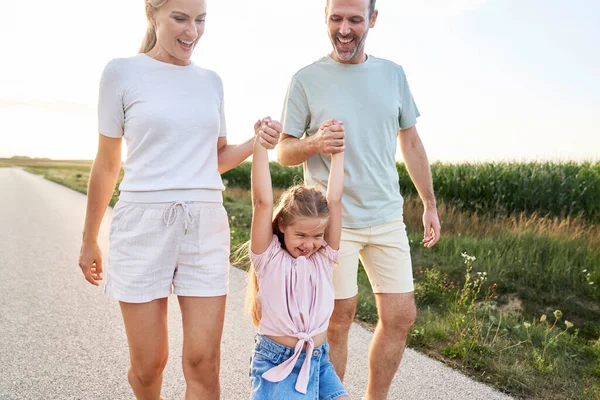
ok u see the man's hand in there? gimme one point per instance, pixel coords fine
(267, 132)
(329, 138)
(431, 223)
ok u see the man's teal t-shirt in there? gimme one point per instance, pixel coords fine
(374, 102)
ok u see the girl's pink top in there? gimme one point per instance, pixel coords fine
(296, 299)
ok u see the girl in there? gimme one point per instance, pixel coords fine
(291, 291)
(169, 231)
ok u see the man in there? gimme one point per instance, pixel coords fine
(348, 101)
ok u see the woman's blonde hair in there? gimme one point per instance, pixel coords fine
(150, 39)
(295, 203)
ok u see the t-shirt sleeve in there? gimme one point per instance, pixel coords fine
(409, 112)
(222, 123)
(295, 116)
(328, 252)
(261, 260)
(111, 112)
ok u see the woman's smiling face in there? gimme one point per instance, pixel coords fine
(179, 25)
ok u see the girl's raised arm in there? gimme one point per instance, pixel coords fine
(335, 187)
(261, 232)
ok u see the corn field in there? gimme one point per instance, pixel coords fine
(548, 189)
(553, 189)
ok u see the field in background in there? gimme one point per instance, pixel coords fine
(43, 162)
(522, 315)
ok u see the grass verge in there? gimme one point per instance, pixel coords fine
(512, 302)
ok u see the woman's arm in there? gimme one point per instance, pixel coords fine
(261, 232)
(335, 188)
(103, 179)
(232, 155)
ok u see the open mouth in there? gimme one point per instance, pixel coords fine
(303, 252)
(345, 42)
(187, 45)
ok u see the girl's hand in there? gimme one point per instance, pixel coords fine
(267, 132)
(330, 137)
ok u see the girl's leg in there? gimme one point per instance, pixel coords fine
(203, 319)
(330, 385)
(146, 327)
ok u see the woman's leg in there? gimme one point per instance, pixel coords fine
(203, 319)
(146, 327)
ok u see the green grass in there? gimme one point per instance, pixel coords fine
(75, 177)
(542, 271)
(537, 271)
(541, 357)
(500, 189)
(43, 162)
(538, 264)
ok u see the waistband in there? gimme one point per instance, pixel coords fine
(283, 370)
(194, 205)
(269, 344)
(168, 196)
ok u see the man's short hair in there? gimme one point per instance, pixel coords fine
(371, 7)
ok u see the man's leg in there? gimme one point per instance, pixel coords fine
(337, 333)
(344, 281)
(388, 264)
(397, 313)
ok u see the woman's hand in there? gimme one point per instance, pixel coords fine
(267, 132)
(90, 262)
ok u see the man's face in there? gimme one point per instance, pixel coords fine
(348, 23)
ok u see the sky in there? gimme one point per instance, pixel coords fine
(494, 80)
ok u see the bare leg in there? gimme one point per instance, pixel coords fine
(397, 313)
(203, 319)
(146, 327)
(337, 333)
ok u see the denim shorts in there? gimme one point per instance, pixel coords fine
(323, 383)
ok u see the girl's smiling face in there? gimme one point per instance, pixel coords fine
(304, 236)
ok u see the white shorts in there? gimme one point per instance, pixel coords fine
(385, 254)
(159, 248)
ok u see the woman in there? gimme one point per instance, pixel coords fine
(169, 230)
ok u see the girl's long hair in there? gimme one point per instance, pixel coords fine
(150, 38)
(295, 203)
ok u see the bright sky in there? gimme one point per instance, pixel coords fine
(493, 79)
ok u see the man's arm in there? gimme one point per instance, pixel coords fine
(328, 139)
(294, 151)
(419, 170)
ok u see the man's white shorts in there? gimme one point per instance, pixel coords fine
(385, 254)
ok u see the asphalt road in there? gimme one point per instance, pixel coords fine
(61, 338)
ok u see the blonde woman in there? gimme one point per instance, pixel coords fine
(169, 231)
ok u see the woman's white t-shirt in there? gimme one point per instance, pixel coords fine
(171, 118)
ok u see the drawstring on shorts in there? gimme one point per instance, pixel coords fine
(170, 214)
